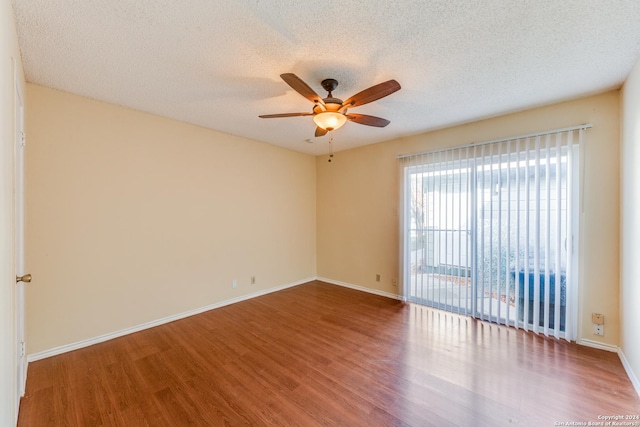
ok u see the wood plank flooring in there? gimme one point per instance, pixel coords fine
(324, 355)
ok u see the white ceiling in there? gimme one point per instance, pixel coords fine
(216, 63)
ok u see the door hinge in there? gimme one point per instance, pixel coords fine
(23, 139)
(22, 349)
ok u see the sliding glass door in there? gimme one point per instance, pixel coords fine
(489, 231)
(438, 195)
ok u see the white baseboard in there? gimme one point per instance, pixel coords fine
(615, 349)
(630, 373)
(85, 343)
(360, 288)
(599, 345)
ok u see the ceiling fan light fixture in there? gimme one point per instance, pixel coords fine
(329, 120)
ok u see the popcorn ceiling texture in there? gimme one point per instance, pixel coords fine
(216, 63)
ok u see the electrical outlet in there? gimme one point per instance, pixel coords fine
(377, 277)
(234, 284)
(598, 329)
(253, 280)
(598, 319)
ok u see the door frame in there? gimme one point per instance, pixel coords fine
(19, 237)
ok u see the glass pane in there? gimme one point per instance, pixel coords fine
(521, 216)
(439, 243)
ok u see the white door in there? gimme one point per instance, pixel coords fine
(21, 278)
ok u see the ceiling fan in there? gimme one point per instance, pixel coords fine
(331, 113)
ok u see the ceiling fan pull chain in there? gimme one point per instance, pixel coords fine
(330, 146)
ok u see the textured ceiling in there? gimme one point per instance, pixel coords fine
(217, 63)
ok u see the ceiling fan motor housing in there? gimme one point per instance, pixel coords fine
(330, 104)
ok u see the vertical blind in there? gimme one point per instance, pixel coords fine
(490, 229)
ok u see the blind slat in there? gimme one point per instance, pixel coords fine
(558, 244)
(547, 236)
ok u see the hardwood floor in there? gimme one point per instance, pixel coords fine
(324, 355)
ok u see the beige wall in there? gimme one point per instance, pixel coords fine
(630, 222)
(133, 217)
(357, 221)
(10, 66)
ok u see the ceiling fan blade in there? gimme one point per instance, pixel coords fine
(364, 119)
(320, 131)
(302, 88)
(273, 116)
(372, 94)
